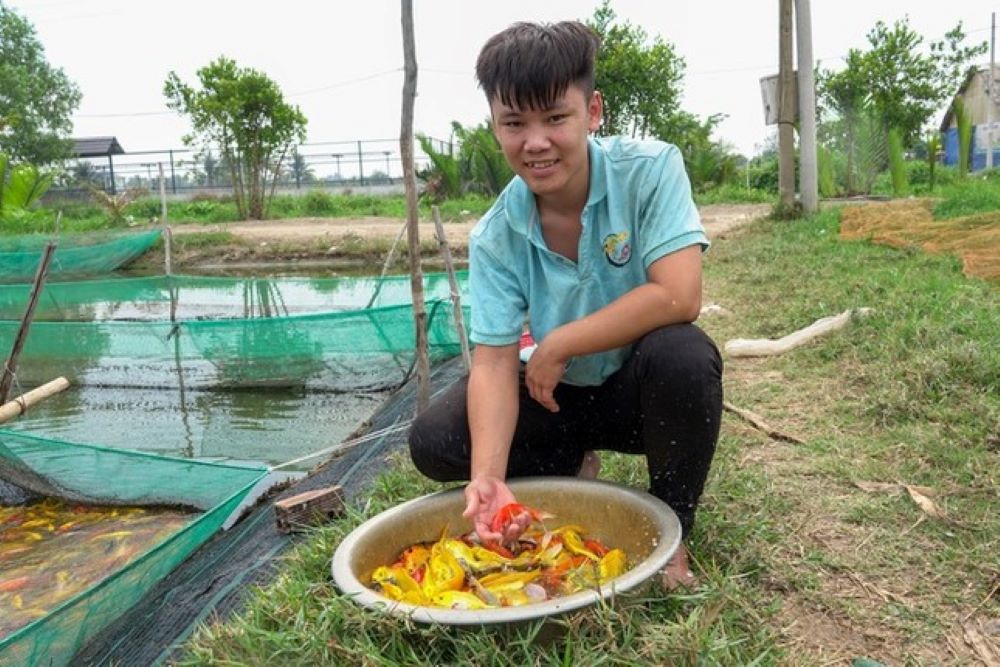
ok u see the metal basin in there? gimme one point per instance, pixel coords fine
(644, 526)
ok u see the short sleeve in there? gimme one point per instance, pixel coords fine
(496, 297)
(668, 218)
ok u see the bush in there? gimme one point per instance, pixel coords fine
(764, 174)
(317, 202)
(144, 209)
(731, 193)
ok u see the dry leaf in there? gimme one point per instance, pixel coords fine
(924, 503)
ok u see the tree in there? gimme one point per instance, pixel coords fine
(36, 100)
(479, 166)
(904, 84)
(300, 171)
(244, 114)
(639, 79)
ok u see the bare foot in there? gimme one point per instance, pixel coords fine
(677, 573)
(591, 466)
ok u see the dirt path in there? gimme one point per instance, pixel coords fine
(717, 218)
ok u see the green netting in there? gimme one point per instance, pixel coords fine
(75, 255)
(202, 297)
(116, 476)
(337, 351)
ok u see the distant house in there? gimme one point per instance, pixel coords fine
(974, 92)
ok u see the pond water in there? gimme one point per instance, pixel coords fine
(247, 424)
(259, 426)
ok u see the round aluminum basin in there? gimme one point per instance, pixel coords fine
(644, 526)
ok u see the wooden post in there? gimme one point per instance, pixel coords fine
(19, 405)
(167, 250)
(163, 196)
(410, 181)
(456, 300)
(10, 366)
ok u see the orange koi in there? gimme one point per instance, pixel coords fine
(506, 514)
(13, 584)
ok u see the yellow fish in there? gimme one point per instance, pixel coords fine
(458, 600)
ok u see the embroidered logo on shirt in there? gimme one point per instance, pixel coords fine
(617, 248)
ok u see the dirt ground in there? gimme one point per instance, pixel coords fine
(717, 218)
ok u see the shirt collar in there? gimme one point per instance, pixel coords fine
(521, 207)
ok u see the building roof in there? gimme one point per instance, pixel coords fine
(96, 147)
(973, 71)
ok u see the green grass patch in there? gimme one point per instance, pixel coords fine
(208, 209)
(798, 563)
(976, 193)
(731, 193)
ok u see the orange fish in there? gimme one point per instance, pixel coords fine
(506, 514)
(13, 584)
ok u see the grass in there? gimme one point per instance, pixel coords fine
(800, 566)
(314, 203)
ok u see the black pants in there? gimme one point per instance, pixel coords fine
(665, 402)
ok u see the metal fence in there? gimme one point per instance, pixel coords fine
(363, 163)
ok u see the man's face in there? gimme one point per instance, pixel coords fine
(548, 148)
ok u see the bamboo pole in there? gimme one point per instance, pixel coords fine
(410, 181)
(10, 365)
(456, 300)
(389, 259)
(20, 405)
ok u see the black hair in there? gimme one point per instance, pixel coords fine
(530, 65)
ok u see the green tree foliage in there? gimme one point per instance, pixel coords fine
(244, 114)
(478, 166)
(639, 78)
(21, 186)
(933, 144)
(964, 123)
(36, 99)
(897, 163)
(904, 83)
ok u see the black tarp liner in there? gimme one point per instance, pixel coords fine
(215, 579)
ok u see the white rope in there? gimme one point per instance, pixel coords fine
(368, 437)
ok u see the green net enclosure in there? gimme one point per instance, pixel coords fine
(75, 255)
(336, 351)
(113, 477)
(205, 297)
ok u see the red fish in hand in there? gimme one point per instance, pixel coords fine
(506, 514)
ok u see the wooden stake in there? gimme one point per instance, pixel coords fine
(389, 258)
(758, 422)
(167, 249)
(20, 405)
(410, 181)
(456, 300)
(10, 366)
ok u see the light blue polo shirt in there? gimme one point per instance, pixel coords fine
(639, 209)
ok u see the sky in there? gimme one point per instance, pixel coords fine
(341, 61)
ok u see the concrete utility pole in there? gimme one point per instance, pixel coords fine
(989, 93)
(808, 186)
(786, 110)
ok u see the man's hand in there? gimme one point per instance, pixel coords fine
(543, 372)
(484, 496)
